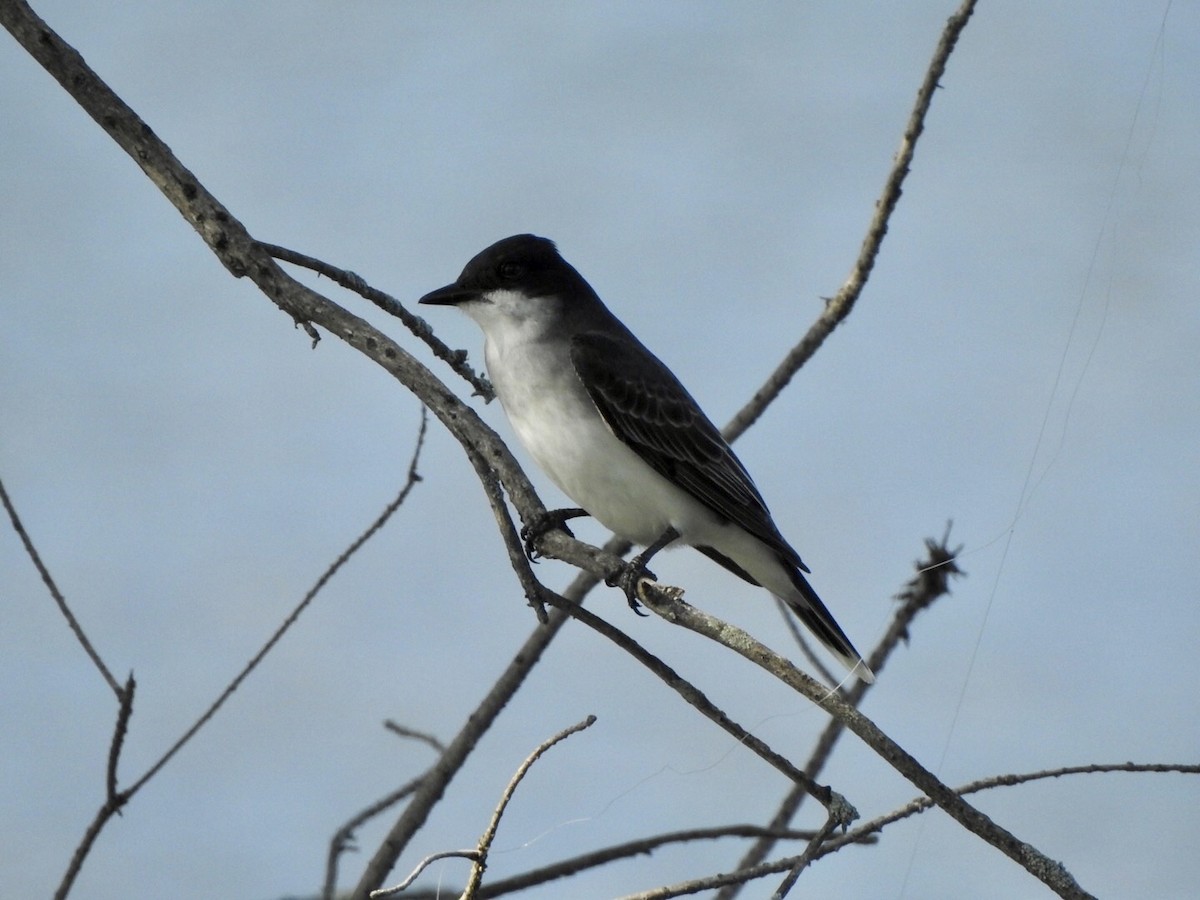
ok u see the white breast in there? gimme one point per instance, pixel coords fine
(558, 424)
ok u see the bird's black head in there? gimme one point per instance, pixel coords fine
(524, 264)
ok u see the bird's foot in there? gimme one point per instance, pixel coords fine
(630, 580)
(547, 521)
(635, 571)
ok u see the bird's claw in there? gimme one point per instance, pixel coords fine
(547, 521)
(632, 575)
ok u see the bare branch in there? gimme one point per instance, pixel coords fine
(489, 834)
(460, 747)
(480, 720)
(124, 712)
(107, 810)
(343, 838)
(921, 804)
(410, 482)
(48, 580)
(456, 359)
(517, 558)
(984, 784)
(113, 798)
(838, 308)
(405, 731)
(116, 799)
(641, 846)
(708, 882)
(868, 829)
(421, 866)
(479, 854)
(806, 857)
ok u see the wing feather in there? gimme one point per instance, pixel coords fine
(653, 414)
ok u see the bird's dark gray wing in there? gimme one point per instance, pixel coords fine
(653, 414)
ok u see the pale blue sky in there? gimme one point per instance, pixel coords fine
(188, 465)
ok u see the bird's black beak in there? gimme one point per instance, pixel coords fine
(450, 295)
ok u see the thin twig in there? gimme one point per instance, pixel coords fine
(709, 882)
(410, 482)
(479, 854)
(921, 804)
(343, 838)
(48, 580)
(871, 828)
(806, 857)
(839, 307)
(107, 810)
(421, 866)
(114, 799)
(417, 810)
(456, 359)
(124, 712)
(517, 558)
(489, 834)
(404, 731)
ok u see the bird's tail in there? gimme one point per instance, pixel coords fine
(812, 612)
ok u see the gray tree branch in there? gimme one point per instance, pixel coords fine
(840, 306)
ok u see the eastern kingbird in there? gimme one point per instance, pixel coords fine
(614, 428)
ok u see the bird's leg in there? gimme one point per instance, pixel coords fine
(635, 570)
(547, 521)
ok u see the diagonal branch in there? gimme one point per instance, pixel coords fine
(837, 309)
(343, 838)
(411, 481)
(479, 854)
(868, 829)
(489, 834)
(456, 359)
(805, 858)
(115, 799)
(242, 255)
(48, 580)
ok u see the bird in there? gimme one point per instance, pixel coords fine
(618, 433)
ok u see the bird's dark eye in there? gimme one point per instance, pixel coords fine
(510, 270)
